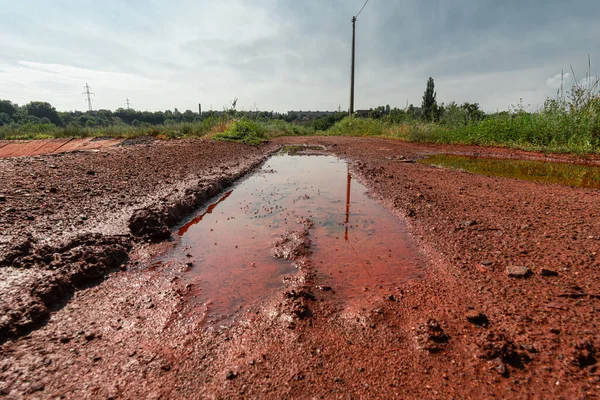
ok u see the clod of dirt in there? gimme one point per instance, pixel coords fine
(299, 302)
(231, 375)
(584, 353)
(431, 336)
(149, 225)
(21, 248)
(292, 245)
(496, 345)
(517, 271)
(299, 294)
(477, 318)
(548, 272)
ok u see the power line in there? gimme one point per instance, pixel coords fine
(362, 8)
(88, 93)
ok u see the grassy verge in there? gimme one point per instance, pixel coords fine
(547, 130)
(212, 127)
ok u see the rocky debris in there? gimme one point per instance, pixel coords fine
(574, 292)
(292, 245)
(499, 366)
(584, 353)
(548, 272)
(517, 271)
(231, 375)
(431, 337)
(477, 318)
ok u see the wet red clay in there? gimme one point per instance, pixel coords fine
(356, 243)
(506, 306)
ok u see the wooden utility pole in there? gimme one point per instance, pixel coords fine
(353, 52)
(352, 67)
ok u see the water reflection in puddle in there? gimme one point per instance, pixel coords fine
(586, 176)
(357, 243)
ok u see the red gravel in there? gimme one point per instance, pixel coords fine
(465, 330)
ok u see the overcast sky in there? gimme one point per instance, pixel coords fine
(291, 54)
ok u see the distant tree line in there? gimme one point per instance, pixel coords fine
(43, 113)
(37, 112)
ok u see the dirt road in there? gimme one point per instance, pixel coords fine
(507, 306)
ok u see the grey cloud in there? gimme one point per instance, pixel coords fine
(297, 55)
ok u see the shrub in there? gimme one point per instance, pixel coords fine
(243, 131)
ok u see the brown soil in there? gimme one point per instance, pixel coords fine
(474, 326)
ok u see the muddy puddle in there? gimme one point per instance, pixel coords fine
(577, 175)
(356, 244)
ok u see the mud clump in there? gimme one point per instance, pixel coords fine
(20, 249)
(498, 349)
(477, 318)
(584, 354)
(49, 275)
(431, 337)
(149, 224)
(292, 245)
(299, 302)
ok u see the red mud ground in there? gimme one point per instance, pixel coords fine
(464, 330)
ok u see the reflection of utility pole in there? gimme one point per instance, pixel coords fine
(348, 185)
(348, 190)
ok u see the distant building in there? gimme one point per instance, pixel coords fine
(310, 115)
(362, 113)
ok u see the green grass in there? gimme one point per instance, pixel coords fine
(244, 131)
(558, 127)
(554, 132)
(168, 131)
